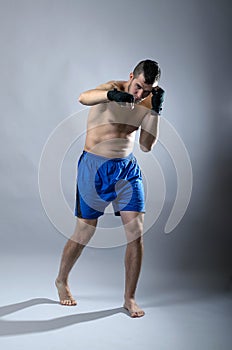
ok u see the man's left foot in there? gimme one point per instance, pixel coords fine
(134, 310)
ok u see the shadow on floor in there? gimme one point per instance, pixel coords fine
(8, 328)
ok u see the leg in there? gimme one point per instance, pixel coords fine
(83, 232)
(133, 224)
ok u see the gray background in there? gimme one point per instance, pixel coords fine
(53, 50)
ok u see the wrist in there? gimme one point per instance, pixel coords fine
(110, 94)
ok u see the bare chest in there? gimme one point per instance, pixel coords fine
(116, 117)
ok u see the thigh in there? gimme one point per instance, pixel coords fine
(133, 224)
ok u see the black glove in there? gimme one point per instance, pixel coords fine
(119, 96)
(157, 99)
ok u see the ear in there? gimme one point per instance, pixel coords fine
(155, 84)
(131, 76)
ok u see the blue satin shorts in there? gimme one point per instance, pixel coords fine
(101, 181)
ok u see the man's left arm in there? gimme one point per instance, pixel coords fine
(149, 131)
(150, 125)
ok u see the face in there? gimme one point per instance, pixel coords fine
(138, 88)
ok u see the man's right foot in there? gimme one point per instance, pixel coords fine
(65, 295)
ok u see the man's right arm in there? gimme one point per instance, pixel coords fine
(97, 95)
(104, 93)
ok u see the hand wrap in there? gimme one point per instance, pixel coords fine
(119, 96)
(157, 99)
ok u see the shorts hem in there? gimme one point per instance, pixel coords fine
(117, 213)
(88, 218)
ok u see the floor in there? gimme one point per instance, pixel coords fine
(176, 317)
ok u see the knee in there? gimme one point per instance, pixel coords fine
(135, 235)
(83, 233)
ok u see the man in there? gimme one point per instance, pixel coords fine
(108, 171)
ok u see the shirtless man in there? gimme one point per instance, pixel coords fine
(119, 108)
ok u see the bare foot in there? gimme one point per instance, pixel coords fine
(134, 310)
(65, 295)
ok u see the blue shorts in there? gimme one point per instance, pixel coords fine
(101, 181)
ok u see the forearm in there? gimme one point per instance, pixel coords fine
(147, 143)
(93, 97)
(149, 132)
(150, 124)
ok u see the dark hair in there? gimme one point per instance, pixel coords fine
(150, 70)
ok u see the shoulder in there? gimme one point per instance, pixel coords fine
(112, 84)
(146, 102)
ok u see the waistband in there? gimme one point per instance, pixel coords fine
(104, 159)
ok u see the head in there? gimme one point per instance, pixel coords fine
(144, 77)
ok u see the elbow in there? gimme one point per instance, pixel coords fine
(148, 146)
(145, 148)
(81, 99)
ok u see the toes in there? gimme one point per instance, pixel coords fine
(137, 314)
(68, 302)
(134, 313)
(141, 313)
